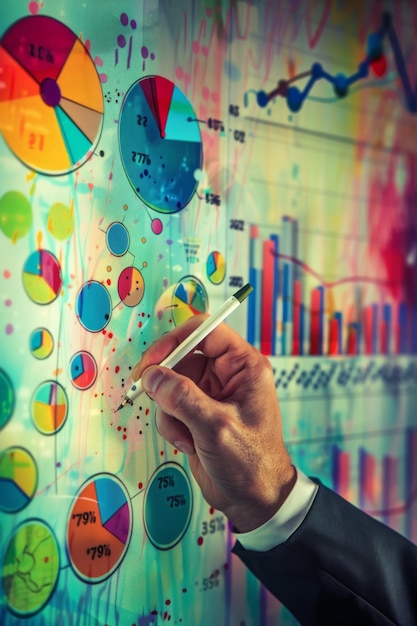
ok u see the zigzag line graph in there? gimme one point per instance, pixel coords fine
(375, 60)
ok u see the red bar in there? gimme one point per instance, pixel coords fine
(368, 327)
(296, 318)
(315, 322)
(267, 296)
(333, 336)
(352, 341)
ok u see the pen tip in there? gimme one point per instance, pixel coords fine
(243, 292)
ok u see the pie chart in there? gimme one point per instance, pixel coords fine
(99, 527)
(7, 398)
(83, 370)
(30, 568)
(41, 343)
(160, 144)
(216, 267)
(18, 479)
(117, 239)
(131, 286)
(51, 101)
(168, 506)
(188, 298)
(42, 277)
(93, 306)
(49, 408)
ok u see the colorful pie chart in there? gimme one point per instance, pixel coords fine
(99, 528)
(41, 343)
(18, 479)
(131, 286)
(49, 407)
(160, 144)
(42, 277)
(216, 267)
(83, 370)
(188, 298)
(51, 101)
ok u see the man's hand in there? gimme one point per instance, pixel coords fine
(220, 407)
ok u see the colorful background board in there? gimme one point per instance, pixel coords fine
(156, 156)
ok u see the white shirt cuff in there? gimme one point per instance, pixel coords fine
(285, 521)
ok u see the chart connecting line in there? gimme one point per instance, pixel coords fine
(374, 60)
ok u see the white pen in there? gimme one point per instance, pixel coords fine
(192, 340)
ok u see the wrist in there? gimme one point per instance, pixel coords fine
(262, 506)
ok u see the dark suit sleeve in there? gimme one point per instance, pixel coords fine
(340, 567)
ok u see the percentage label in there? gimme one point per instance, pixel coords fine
(234, 110)
(166, 481)
(87, 517)
(41, 53)
(215, 124)
(209, 583)
(213, 198)
(141, 157)
(176, 501)
(214, 525)
(99, 551)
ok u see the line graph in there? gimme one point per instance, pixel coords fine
(375, 60)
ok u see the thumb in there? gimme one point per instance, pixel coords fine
(183, 407)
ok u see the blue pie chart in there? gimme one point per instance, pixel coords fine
(93, 306)
(160, 144)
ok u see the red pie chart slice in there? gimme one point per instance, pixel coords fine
(40, 44)
(83, 370)
(158, 93)
(15, 82)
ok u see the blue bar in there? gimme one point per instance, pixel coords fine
(285, 294)
(285, 306)
(301, 328)
(374, 328)
(253, 279)
(387, 317)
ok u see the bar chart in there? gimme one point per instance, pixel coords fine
(302, 309)
(376, 470)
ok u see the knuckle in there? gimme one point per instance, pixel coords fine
(182, 397)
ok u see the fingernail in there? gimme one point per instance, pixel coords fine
(184, 447)
(150, 379)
